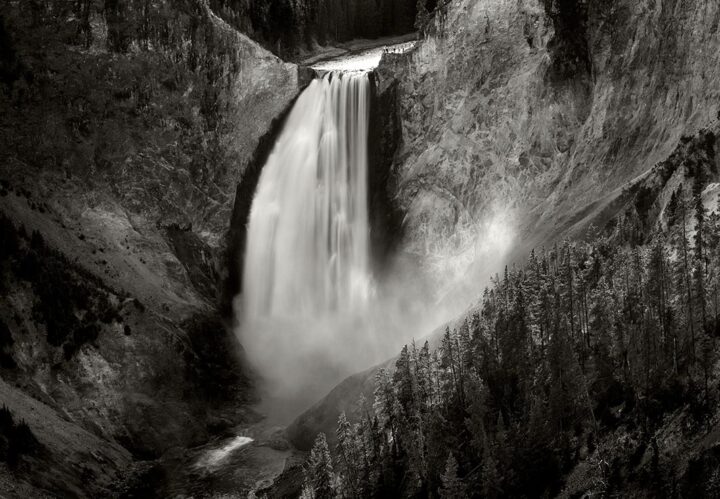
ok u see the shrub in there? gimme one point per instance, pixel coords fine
(6, 338)
(16, 439)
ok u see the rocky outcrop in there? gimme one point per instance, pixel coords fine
(384, 136)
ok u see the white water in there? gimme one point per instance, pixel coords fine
(310, 312)
(306, 276)
(215, 457)
(364, 60)
(307, 241)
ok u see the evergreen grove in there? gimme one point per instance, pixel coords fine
(584, 339)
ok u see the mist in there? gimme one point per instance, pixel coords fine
(312, 311)
(300, 359)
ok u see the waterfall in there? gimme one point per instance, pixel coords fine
(307, 251)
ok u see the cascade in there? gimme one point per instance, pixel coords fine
(307, 251)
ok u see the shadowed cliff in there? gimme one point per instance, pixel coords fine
(124, 130)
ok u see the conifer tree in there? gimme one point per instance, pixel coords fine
(491, 479)
(452, 486)
(700, 265)
(319, 476)
(683, 270)
(707, 358)
(424, 375)
(448, 361)
(349, 457)
(658, 297)
(403, 381)
(384, 400)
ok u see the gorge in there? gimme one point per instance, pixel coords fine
(221, 222)
(307, 243)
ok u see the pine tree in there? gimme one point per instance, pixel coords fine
(452, 486)
(449, 362)
(424, 376)
(658, 297)
(349, 457)
(417, 465)
(602, 318)
(384, 401)
(475, 422)
(707, 360)
(422, 18)
(319, 476)
(683, 267)
(403, 381)
(491, 479)
(700, 264)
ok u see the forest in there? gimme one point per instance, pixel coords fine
(577, 355)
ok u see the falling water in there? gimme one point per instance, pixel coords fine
(307, 241)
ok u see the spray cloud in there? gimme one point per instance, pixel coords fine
(310, 313)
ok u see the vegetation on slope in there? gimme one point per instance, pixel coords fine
(16, 439)
(579, 359)
(156, 105)
(70, 302)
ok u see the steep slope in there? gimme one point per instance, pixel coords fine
(589, 369)
(124, 130)
(528, 112)
(527, 122)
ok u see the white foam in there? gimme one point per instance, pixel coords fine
(308, 234)
(363, 61)
(216, 457)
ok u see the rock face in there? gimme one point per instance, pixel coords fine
(384, 140)
(542, 118)
(201, 93)
(124, 130)
(532, 111)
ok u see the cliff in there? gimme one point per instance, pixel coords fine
(536, 113)
(124, 130)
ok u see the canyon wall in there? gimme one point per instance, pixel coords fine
(124, 130)
(536, 113)
(525, 122)
(291, 28)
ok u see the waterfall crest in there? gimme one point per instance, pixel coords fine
(307, 251)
